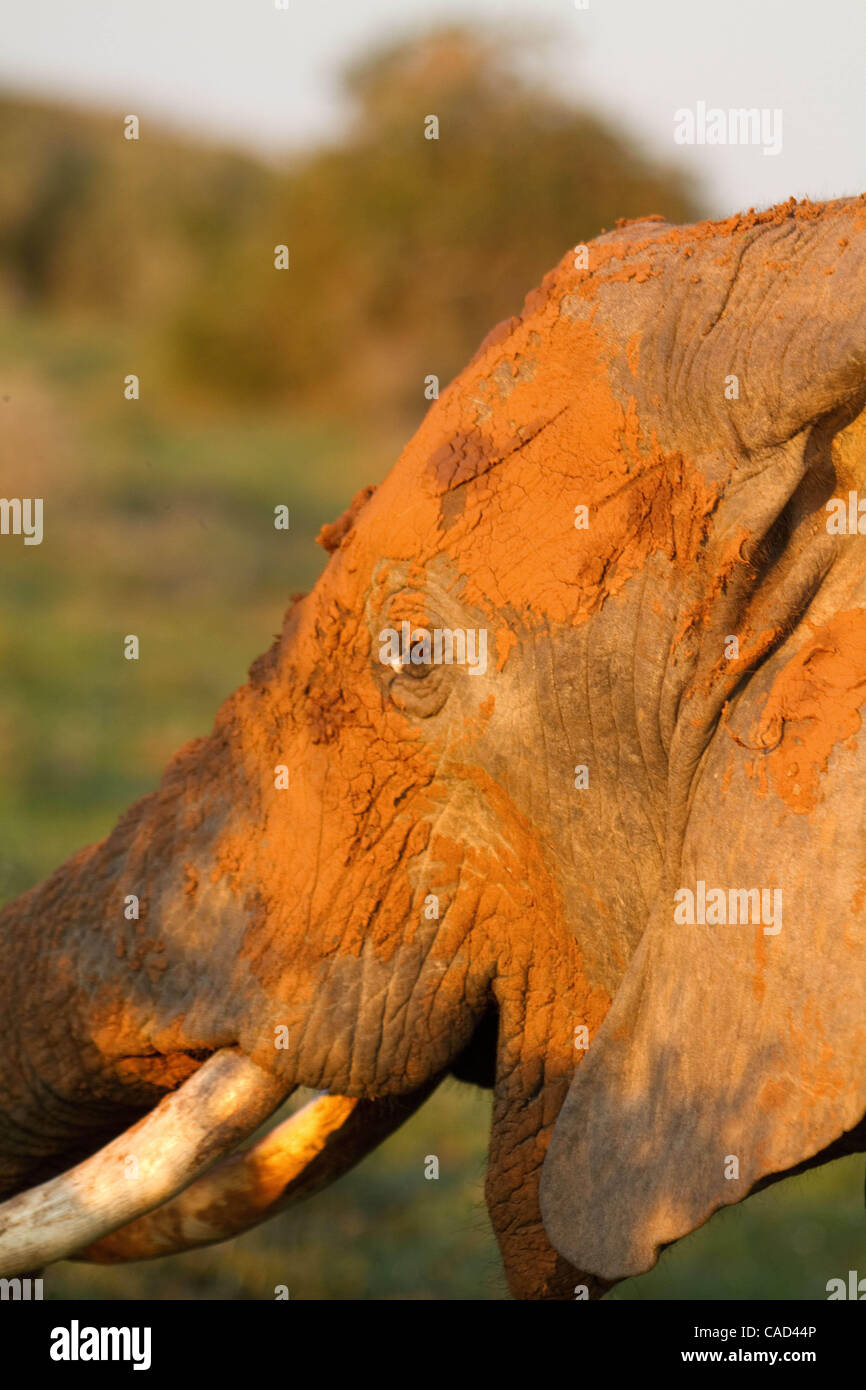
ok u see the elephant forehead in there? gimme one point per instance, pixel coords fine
(535, 485)
(566, 453)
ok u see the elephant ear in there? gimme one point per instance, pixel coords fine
(733, 1051)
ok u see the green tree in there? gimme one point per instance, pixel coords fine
(405, 250)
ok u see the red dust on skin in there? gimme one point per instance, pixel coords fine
(487, 504)
(483, 491)
(279, 903)
(814, 704)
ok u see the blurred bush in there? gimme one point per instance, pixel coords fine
(404, 250)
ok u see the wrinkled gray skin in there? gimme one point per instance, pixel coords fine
(307, 912)
(733, 1053)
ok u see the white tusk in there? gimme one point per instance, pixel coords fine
(303, 1154)
(219, 1105)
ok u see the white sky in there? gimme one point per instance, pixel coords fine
(267, 78)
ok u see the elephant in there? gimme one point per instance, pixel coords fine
(590, 645)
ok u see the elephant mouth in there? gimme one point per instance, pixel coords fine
(298, 1158)
(173, 1182)
(190, 1129)
(176, 1180)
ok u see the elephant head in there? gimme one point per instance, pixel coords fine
(428, 834)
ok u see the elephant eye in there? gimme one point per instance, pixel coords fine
(409, 651)
(416, 670)
(415, 663)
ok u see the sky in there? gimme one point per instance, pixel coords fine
(267, 78)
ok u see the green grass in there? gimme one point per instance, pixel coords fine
(161, 525)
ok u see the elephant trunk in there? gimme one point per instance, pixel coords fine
(124, 970)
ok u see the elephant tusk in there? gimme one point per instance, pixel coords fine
(223, 1102)
(303, 1154)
